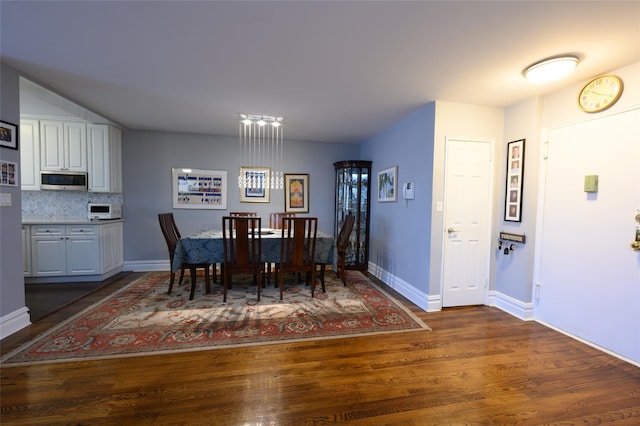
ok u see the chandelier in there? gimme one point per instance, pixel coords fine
(261, 146)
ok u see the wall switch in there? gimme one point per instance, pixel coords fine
(5, 199)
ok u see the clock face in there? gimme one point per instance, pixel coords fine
(600, 93)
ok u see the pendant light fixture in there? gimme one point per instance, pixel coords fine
(261, 145)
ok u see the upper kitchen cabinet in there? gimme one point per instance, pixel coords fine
(105, 158)
(63, 146)
(29, 155)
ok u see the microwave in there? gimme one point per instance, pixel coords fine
(63, 181)
(105, 211)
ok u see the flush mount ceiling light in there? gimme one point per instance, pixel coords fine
(550, 69)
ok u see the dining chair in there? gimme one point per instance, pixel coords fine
(275, 219)
(243, 214)
(171, 237)
(242, 247)
(298, 249)
(341, 245)
(275, 222)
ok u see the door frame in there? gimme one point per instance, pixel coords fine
(490, 215)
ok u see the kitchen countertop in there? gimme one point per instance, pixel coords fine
(64, 221)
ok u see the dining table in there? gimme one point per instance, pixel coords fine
(206, 246)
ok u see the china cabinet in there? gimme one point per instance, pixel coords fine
(353, 191)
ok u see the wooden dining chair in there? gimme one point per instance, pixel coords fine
(275, 222)
(172, 236)
(275, 219)
(298, 249)
(243, 214)
(242, 246)
(341, 245)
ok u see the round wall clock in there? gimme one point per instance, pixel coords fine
(600, 93)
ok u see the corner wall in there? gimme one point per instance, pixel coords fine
(13, 312)
(400, 232)
(453, 120)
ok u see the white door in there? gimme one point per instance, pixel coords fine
(466, 222)
(589, 276)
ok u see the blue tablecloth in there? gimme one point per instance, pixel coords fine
(206, 247)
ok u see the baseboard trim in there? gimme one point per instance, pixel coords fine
(15, 321)
(422, 300)
(593, 345)
(146, 266)
(515, 307)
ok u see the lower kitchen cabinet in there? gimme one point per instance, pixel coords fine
(75, 250)
(64, 250)
(26, 250)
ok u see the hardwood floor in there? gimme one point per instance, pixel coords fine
(479, 365)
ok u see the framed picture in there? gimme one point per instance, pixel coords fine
(9, 176)
(199, 189)
(256, 184)
(296, 193)
(515, 177)
(388, 184)
(8, 135)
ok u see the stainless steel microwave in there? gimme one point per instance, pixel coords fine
(63, 181)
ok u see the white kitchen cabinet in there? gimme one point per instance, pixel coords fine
(29, 155)
(63, 146)
(83, 250)
(26, 250)
(58, 250)
(105, 158)
(112, 255)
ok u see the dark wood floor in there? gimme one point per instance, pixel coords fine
(479, 366)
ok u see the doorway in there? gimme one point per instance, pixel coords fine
(588, 275)
(467, 213)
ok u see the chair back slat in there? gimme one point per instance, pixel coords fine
(275, 220)
(242, 243)
(170, 232)
(345, 232)
(298, 244)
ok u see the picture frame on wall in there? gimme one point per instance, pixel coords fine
(8, 135)
(514, 183)
(9, 173)
(388, 184)
(199, 189)
(296, 193)
(256, 188)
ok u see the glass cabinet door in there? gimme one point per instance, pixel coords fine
(352, 197)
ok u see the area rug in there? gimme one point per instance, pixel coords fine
(142, 319)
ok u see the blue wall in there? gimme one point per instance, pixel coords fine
(400, 232)
(149, 156)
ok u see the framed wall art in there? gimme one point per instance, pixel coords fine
(515, 177)
(9, 176)
(388, 184)
(296, 193)
(256, 188)
(8, 135)
(199, 189)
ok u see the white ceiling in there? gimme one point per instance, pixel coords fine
(337, 70)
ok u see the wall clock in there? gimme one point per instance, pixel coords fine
(600, 93)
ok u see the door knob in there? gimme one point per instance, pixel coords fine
(452, 230)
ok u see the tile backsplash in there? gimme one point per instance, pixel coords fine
(68, 205)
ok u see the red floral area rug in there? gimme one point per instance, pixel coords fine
(142, 319)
